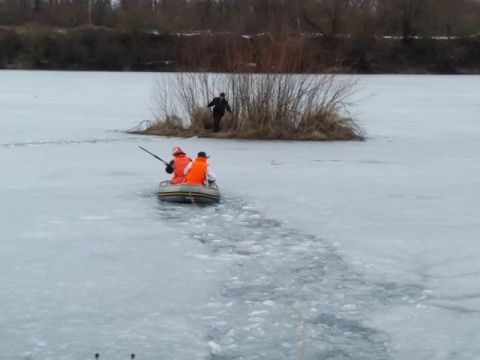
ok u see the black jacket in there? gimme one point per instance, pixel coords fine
(219, 106)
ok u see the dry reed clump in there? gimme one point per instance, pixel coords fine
(201, 119)
(273, 106)
(171, 125)
(269, 105)
(173, 122)
(320, 126)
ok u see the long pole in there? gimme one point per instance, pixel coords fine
(155, 156)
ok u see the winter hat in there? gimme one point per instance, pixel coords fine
(177, 150)
(202, 154)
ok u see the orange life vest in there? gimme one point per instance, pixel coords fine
(197, 172)
(180, 161)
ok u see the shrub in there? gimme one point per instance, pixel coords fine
(265, 106)
(277, 103)
(201, 119)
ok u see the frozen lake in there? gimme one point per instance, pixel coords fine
(333, 250)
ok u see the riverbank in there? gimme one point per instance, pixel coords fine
(101, 48)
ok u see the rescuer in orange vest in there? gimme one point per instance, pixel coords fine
(177, 165)
(198, 171)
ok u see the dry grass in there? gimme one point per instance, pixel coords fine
(271, 106)
(201, 119)
(332, 128)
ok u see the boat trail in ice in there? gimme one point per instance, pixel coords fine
(289, 295)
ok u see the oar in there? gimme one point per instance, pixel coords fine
(155, 156)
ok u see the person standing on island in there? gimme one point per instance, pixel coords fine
(220, 104)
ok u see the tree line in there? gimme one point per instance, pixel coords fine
(366, 36)
(330, 18)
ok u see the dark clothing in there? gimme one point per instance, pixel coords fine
(169, 168)
(219, 106)
(216, 121)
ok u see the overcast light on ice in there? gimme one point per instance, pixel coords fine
(319, 250)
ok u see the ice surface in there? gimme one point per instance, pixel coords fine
(335, 250)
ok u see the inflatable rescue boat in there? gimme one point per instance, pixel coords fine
(191, 194)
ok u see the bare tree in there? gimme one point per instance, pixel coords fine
(363, 27)
(405, 14)
(326, 16)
